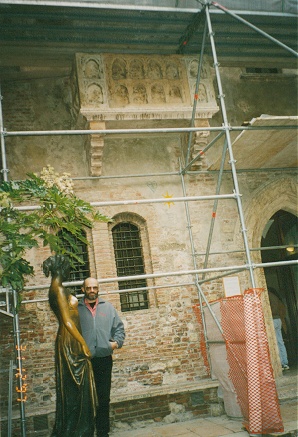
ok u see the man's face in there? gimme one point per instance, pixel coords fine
(90, 289)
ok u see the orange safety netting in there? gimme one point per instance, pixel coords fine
(248, 359)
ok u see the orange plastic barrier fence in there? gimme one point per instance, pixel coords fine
(247, 354)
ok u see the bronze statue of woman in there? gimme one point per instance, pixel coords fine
(75, 389)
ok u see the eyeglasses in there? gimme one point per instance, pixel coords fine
(91, 288)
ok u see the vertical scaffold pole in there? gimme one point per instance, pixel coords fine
(201, 294)
(214, 209)
(195, 100)
(232, 161)
(21, 388)
(10, 385)
(4, 169)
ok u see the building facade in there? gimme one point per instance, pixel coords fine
(136, 179)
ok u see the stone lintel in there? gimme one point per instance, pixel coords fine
(149, 114)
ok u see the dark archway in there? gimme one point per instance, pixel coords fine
(281, 230)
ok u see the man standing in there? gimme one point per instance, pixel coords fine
(103, 332)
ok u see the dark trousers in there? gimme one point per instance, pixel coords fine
(102, 368)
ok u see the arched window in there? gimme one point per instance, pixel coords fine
(129, 262)
(80, 271)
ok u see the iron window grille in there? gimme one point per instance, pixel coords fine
(129, 262)
(79, 271)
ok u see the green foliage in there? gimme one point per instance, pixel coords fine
(56, 209)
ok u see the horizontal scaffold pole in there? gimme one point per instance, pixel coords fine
(143, 201)
(169, 274)
(227, 271)
(140, 131)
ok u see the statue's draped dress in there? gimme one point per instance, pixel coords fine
(75, 388)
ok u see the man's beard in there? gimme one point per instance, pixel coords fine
(91, 296)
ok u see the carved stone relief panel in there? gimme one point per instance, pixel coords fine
(146, 81)
(91, 79)
(123, 87)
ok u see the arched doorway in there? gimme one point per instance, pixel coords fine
(281, 230)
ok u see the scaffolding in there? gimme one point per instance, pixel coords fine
(199, 274)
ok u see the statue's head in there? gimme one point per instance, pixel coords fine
(57, 265)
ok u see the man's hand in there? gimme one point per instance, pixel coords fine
(114, 345)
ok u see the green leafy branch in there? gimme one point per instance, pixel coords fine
(59, 217)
